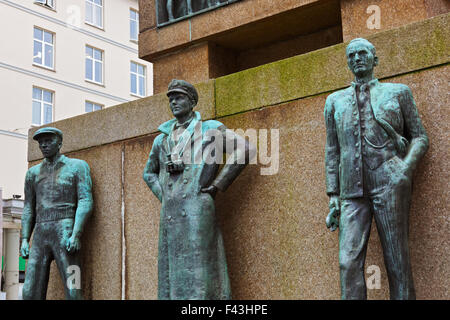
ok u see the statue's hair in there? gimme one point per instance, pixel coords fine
(366, 42)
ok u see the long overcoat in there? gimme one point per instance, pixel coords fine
(191, 261)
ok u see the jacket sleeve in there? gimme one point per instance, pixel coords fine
(331, 150)
(29, 208)
(414, 129)
(85, 202)
(151, 171)
(240, 151)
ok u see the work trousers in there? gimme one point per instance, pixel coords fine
(48, 244)
(387, 195)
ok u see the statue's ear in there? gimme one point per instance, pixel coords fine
(375, 61)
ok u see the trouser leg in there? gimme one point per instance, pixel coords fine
(69, 264)
(354, 231)
(38, 269)
(391, 211)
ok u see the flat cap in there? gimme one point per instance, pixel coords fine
(183, 87)
(47, 130)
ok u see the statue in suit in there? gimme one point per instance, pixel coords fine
(375, 139)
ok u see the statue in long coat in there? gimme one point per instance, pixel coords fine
(182, 172)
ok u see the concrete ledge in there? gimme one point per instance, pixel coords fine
(124, 121)
(412, 47)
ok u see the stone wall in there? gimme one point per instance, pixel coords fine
(274, 226)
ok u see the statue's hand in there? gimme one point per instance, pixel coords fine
(332, 220)
(212, 190)
(25, 249)
(73, 244)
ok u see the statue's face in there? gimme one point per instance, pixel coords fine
(360, 58)
(180, 104)
(49, 144)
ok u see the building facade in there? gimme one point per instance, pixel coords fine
(60, 59)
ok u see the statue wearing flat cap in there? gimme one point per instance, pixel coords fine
(58, 202)
(182, 172)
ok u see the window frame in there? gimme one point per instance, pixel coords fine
(102, 83)
(137, 79)
(102, 106)
(44, 3)
(42, 65)
(42, 102)
(102, 6)
(137, 24)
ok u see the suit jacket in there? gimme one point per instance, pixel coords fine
(392, 104)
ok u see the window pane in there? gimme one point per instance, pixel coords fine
(133, 67)
(38, 34)
(88, 107)
(133, 84)
(133, 30)
(37, 52)
(140, 70)
(89, 10)
(99, 2)
(37, 94)
(48, 113)
(48, 37)
(98, 71)
(89, 51)
(48, 96)
(141, 86)
(97, 54)
(89, 69)
(98, 16)
(97, 107)
(36, 113)
(49, 56)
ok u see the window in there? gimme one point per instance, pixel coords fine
(94, 12)
(94, 65)
(91, 106)
(137, 75)
(134, 25)
(42, 110)
(43, 48)
(47, 3)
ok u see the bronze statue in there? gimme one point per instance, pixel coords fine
(375, 139)
(58, 202)
(181, 171)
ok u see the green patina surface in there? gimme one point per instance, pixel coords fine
(409, 48)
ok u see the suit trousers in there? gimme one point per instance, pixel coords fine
(387, 195)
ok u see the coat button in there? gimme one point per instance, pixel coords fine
(353, 102)
(169, 218)
(186, 169)
(170, 184)
(357, 155)
(184, 196)
(355, 133)
(183, 213)
(185, 181)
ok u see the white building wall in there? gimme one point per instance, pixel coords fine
(18, 75)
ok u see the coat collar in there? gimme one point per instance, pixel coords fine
(167, 126)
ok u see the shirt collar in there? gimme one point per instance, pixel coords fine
(61, 158)
(371, 83)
